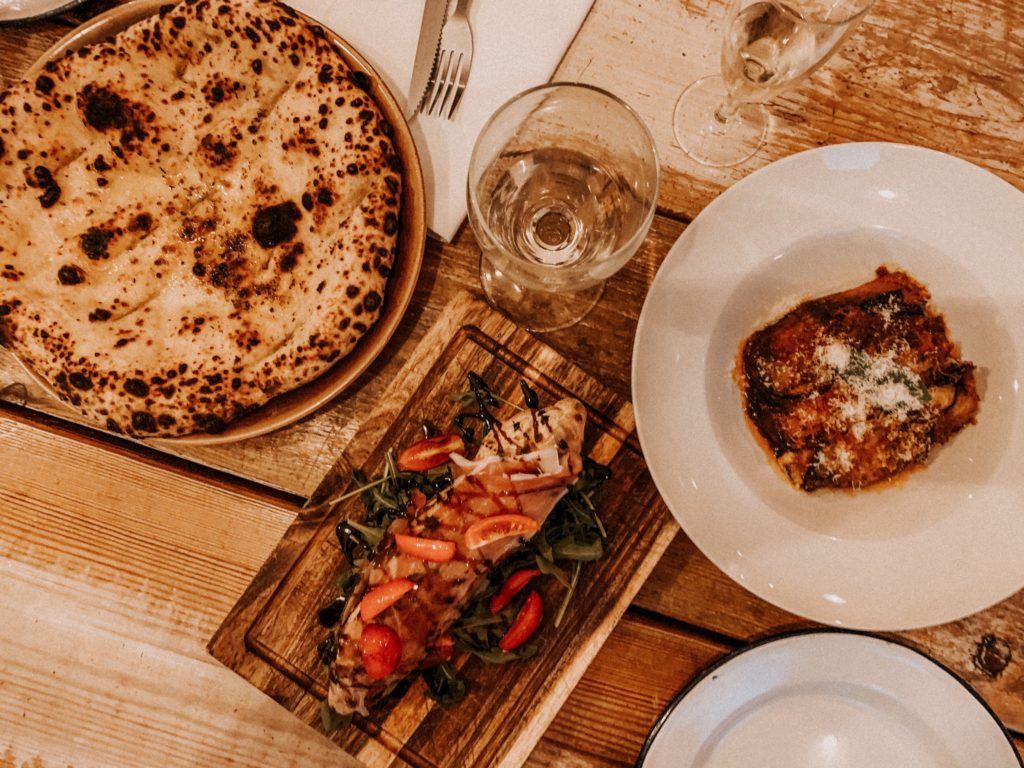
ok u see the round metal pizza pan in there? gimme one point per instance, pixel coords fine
(287, 408)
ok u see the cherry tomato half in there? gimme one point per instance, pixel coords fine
(381, 650)
(512, 586)
(434, 550)
(383, 596)
(495, 527)
(429, 452)
(524, 624)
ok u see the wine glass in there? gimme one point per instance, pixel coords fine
(721, 120)
(562, 186)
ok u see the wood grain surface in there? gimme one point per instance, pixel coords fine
(295, 459)
(508, 706)
(949, 76)
(119, 562)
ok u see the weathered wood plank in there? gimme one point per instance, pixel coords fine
(506, 712)
(294, 459)
(983, 649)
(947, 76)
(608, 716)
(606, 720)
(113, 580)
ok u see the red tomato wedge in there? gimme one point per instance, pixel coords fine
(383, 596)
(434, 550)
(512, 587)
(419, 501)
(429, 452)
(524, 624)
(496, 527)
(381, 650)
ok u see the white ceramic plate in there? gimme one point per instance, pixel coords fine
(23, 10)
(828, 700)
(949, 540)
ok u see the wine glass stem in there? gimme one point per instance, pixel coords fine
(725, 110)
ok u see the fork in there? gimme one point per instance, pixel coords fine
(448, 81)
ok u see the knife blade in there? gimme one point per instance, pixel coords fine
(427, 48)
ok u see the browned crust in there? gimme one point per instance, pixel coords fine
(199, 215)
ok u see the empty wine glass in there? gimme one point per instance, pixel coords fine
(562, 186)
(721, 120)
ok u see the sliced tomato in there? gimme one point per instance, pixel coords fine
(524, 624)
(513, 586)
(381, 650)
(434, 550)
(495, 527)
(429, 452)
(383, 596)
(419, 500)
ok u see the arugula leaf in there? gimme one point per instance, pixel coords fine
(546, 564)
(572, 535)
(576, 568)
(444, 684)
(521, 653)
(331, 720)
(371, 535)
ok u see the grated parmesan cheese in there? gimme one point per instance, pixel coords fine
(871, 383)
(835, 355)
(839, 388)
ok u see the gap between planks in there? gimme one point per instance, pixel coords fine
(138, 451)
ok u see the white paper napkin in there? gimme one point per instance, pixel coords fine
(517, 44)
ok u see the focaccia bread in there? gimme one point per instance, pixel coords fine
(855, 388)
(194, 217)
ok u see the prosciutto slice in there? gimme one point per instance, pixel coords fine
(524, 466)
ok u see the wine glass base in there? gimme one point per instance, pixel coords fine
(538, 311)
(709, 140)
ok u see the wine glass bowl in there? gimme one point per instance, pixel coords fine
(767, 47)
(562, 186)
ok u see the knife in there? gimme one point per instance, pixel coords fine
(427, 49)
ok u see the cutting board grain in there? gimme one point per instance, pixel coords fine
(270, 636)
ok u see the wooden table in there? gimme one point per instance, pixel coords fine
(119, 561)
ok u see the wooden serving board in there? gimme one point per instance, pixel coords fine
(271, 634)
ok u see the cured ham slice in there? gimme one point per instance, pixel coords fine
(524, 466)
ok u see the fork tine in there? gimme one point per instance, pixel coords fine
(447, 104)
(445, 89)
(459, 89)
(440, 80)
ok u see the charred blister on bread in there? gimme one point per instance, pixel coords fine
(856, 388)
(213, 191)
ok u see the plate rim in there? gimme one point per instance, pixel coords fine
(312, 395)
(53, 9)
(713, 667)
(648, 325)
